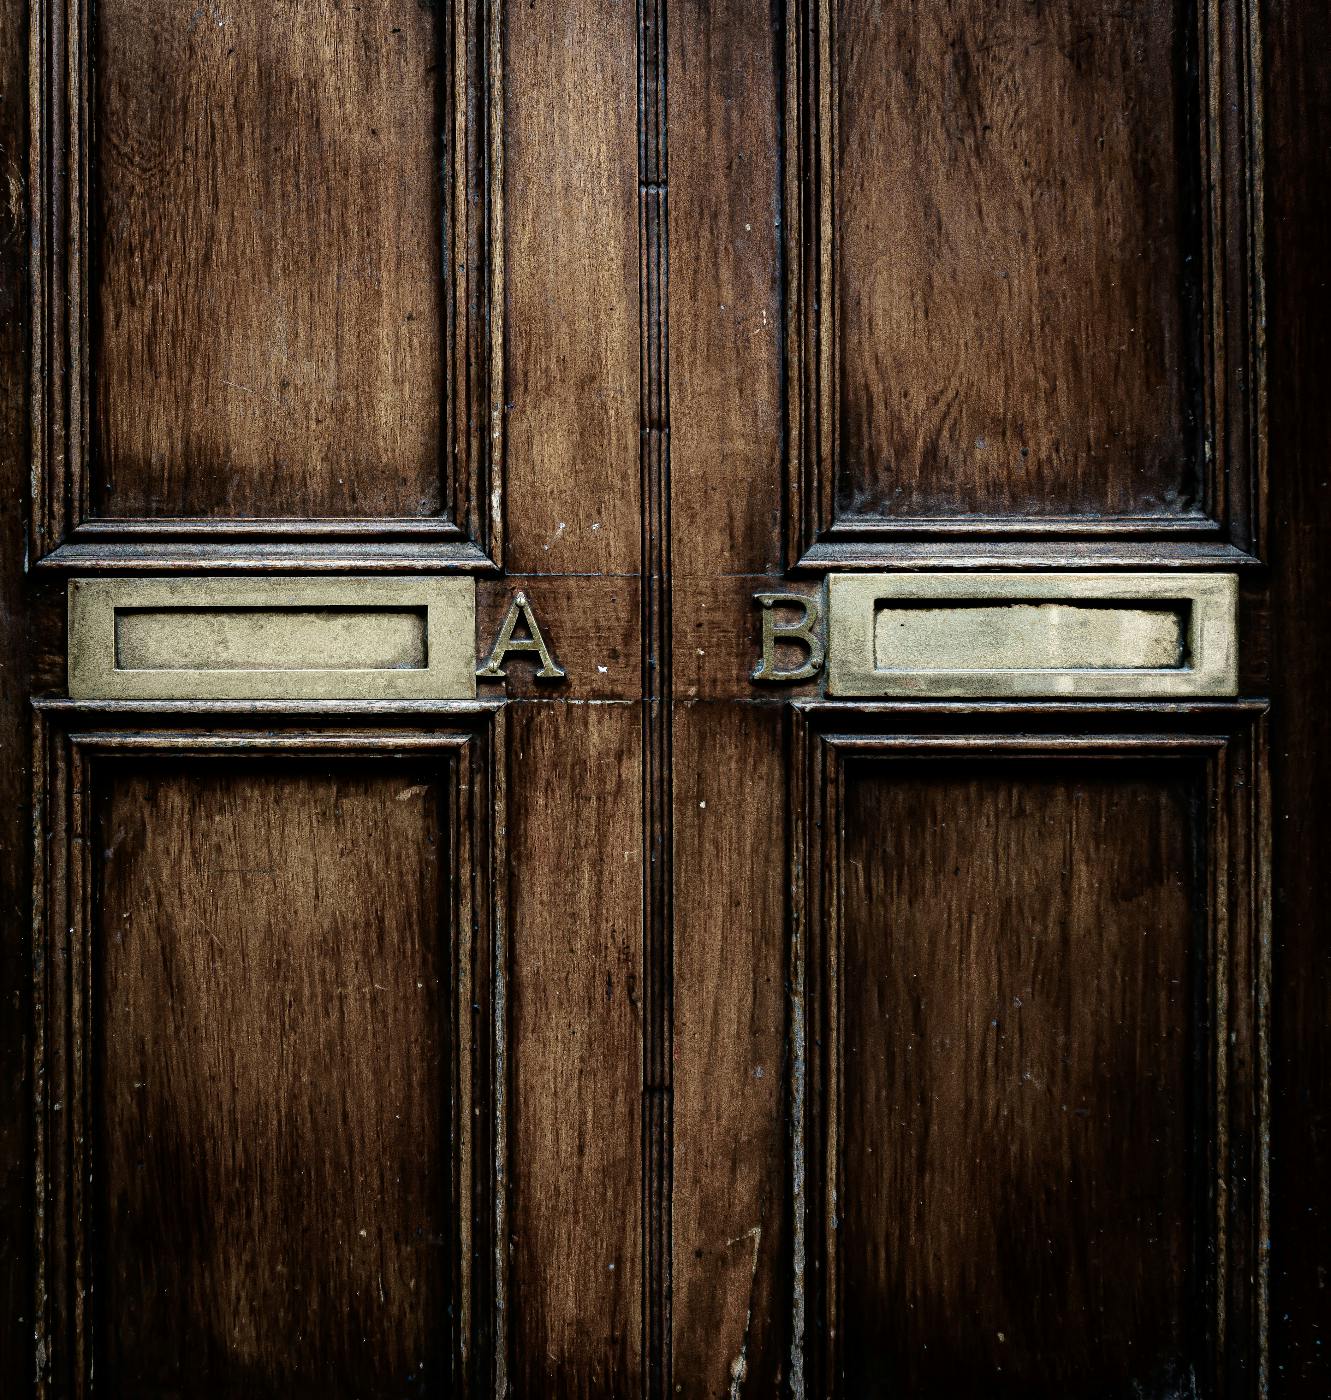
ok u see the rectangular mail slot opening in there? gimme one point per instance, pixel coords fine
(259, 639)
(1084, 635)
(930, 634)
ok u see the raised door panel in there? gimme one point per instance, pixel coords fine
(269, 1012)
(270, 1080)
(1030, 1064)
(1022, 286)
(1013, 196)
(262, 279)
(266, 300)
(1017, 1040)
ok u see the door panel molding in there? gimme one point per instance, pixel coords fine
(1223, 746)
(65, 529)
(75, 748)
(1217, 189)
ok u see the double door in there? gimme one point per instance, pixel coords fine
(650, 649)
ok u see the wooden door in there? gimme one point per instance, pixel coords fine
(662, 699)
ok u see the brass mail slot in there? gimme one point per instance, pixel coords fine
(276, 638)
(991, 634)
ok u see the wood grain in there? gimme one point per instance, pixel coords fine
(725, 284)
(1013, 260)
(16, 1118)
(592, 626)
(1018, 1035)
(1299, 337)
(272, 1082)
(572, 278)
(1017, 248)
(266, 284)
(576, 900)
(730, 1330)
(730, 1221)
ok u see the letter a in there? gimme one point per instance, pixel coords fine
(533, 641)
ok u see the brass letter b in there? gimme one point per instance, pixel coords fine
(800, 633)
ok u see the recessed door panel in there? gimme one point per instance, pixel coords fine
(267, 300)
(1019, 1198)
(1029, 1068)
(1016, 278)
(271, 1012)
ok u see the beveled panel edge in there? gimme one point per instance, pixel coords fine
(472, 741)
(371, 553)
(201, 527)
(1211, 643)
(395, 712)
(1227, 66)
(449, 673)
(59, 174)
(1129, 551)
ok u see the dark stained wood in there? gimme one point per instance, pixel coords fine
(1018, 1038)
(572, 435)
(16, 1317)
(1299, 337)
(267, 305)
(572, 392)
(730, 1334)
(1012, 256)
(730, 1214)
(576, 899)
(591, 625)
(725, 353)
(270, 1006)
(718, 640)
(716, 337)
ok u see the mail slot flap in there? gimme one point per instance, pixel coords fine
(932, 634)
(358, 638)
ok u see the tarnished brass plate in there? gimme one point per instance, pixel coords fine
(1029, 634)
(272, 638)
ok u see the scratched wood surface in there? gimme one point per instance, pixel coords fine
(1012, 259)
(267, 296)
(731, 1228)
(577, 1273)
(730, 1221)
(271, 1082)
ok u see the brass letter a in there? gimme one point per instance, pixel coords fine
(533, 641)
